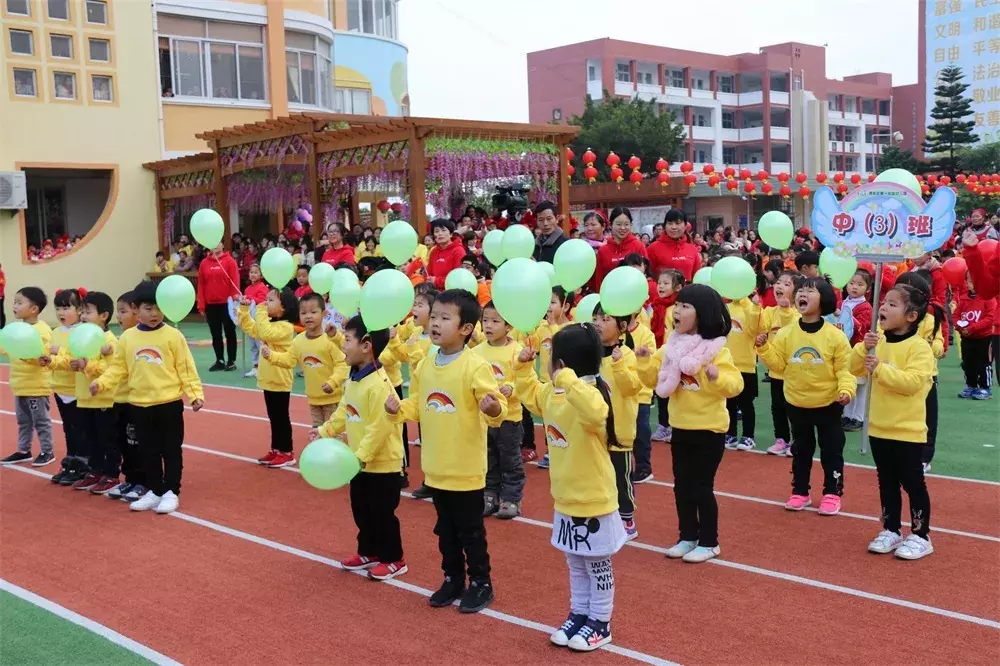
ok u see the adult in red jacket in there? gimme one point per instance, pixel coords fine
(939, 285)
(447, 253)
(337, 252)
(984, 270)
(218, 279)
(672, 249)
(621, 244)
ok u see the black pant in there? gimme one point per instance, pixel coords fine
(696, 457)
(374, 498)
(528, 428)
(218, 318)
(996, 356)
(128, 444)
(69, 414)
(931, 406)
(779, 412)
(662, 413)
(161, 434)
(622, 462)
(806, 423)
(898, 464)
(276, 403)
(976, 362)
(98, 427)
(744, 403)
(406, 440)
(504, 467)
(462, 534)
(3, 315)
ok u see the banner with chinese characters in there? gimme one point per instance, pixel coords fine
(883, 221)
(966, 34)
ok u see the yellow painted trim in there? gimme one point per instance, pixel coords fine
(94, 230)
(91, 73)
(111, 62)
(32, 10)
(39, 83)
(87, 25)
(36, 45)
(50, 75)
(73, 45)
(71, 5)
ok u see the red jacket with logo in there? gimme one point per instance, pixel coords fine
(442, 261)
(218, 278)
(974, 316)
(343, 254)
(682, 255)
(611, 254)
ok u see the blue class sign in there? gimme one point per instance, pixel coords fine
(883, 221)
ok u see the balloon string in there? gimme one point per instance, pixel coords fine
(226, 273)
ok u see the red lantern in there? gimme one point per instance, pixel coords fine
(838, 177)
(612, 160)
(686, 167)
(871, 178)
(996, 178)
(589, 157)
(804, 192)
(569, 154)
(767, 188)
(855, 179)
(763, 175)
(925, 189)
(396, 208)
(783, 177)
(953, 271)
(973, 178)
(590, 173)
(570, 170)
(729, 172)
(785, 191)
(970, 186)
(714, 180)
(946, 180)
(663, 178)
(662, 164)
(841, 188)
(731, 184)
(821, 178)
(690, 180)
(960, 179)
(708, 169)
(635, 177)
(932, 179)
(746, 174)
(617, 175)
(750, 188)
(383, 206)
(634, 163)
(800, 178)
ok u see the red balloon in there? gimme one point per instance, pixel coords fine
(954, 271)
(988, 248)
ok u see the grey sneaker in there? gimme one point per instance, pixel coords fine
(746, 444)
(491, 504)
(509, 510)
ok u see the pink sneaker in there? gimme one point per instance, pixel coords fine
(779, 448)
(798, 502)
(829, 505)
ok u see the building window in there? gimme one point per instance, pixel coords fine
(65, 84)
(677, 79)
(308, 68)
(701, 120)
(623, 72)
(646, 77)
(19, 7)
(25, 83)
(22, 42)
(58, 9)
(374, 17)
(729, 155)
(591, 73)
(728, 120)
(100, 50)
(97, 12)
(726, 83)
(352, 100)
(699, 84)
(61, 46)
(103, 87)
(883, 108)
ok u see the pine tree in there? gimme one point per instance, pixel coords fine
(949, 133)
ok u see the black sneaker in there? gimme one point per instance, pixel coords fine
(72, 476)
(230, 366)
(448, 592)
(43, 459)
(404, 480)
(217, 366)
(423, 492)
(15, 458)
(58, 476)
(853, 426)
(477, 597)
(642, 476)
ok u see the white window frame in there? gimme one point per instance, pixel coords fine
(111, 88)
(343, 95)
(205, 69)
(90, 52)
(319, 55)
(591, 73)
(623, 69)
(31, 42)
(27, 8)
(86, 12)
(729, 79)
(55, 86)
(68, 38)
(390, 18)
(34, 81)
(57, 18)
(676, 77)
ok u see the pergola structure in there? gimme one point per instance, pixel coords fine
(328, 159)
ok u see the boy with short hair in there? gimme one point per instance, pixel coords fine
(156, 360)
(807, 263)
(132, 488)
(450, 392)
(30, 384)
(378, 445)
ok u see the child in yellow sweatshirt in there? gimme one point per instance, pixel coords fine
(901, 370)
(30, 382)
(74, 466)
(540, 340)
(455, 397)
(378, 445)
(812, 354)
(745, 317)
(697, 373)
(580, 425)
(772, 320)
(274, 326)
(156, 361)
(132, 465)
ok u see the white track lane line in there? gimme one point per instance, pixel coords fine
(88, 624)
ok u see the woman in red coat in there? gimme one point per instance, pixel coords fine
(621, 244)
(218, 279)
(338, 251)
(672, 249)
(447, 253)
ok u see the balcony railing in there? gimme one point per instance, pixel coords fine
(778, 97)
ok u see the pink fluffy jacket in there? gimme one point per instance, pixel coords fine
(685, 354)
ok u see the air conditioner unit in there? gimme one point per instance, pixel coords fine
(13, 190)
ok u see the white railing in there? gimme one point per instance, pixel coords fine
(649, 89)
(752, 134)
(779, 133)
(778, 97)
(778, 167)
(624, 88)
(704, 133)
(702, 94)
(834, 115)
(752, 98)
(594, 90)
(728, 99)
(836, 147)
(730, 135)
(869, 118)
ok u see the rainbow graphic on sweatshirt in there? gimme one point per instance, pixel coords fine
(737, 326)
(554, 437)
(149, 355)
(689, 383)
(311, 362)
(806, 355)
(352, 414)
(439, 401)
(497, 372)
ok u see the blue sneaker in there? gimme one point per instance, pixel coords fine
(982, 394)
(544, 462)
(593, 635)
(119, 491)
(968, 393)
(569, 629)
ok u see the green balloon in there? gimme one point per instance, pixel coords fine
(462, 278)
(345, 291)
(398, 242)
(321, 277)
(776, 229)
(575, 262)
(521, 293)
(840, 269)
(21, 340)
(86, 340)
(550, 272)
(278, 267)
(207, 228)
(327, 464)
(624, 291)
(733, 278)
(585, 308)
(703, 276)
(175, 297)
(386, 298)
(518, 242)
(493, 247)
(900, 177)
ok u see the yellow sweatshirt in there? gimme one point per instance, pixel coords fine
(698, 403)
(410, 345)
(642, 317)
(900, 385)
(278, 336)
(123, 395)
(772, 320)
(371, 435)
(388, 359)
(814, 364)
(926, 331)
(157, 365)
(541, 341)
(96, 365)
(502, 360)
(746, 325)
(624, 385)
(322, 362)
(63, 381)
(445, 401)
(27, 378)
(581, 477)
(643, 337)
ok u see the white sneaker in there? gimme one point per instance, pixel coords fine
(252, 373)
(681, 549)
(701, 554)
(914, 548)
(148, 501)
(886, 542)
(660, 434)
(415, 442)
(168, 503)
(746, 444)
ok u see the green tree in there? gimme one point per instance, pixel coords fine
(980, 159)
(894, 158)
(950, 133)
(627, 127)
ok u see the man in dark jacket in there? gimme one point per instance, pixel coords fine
(550, 236)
